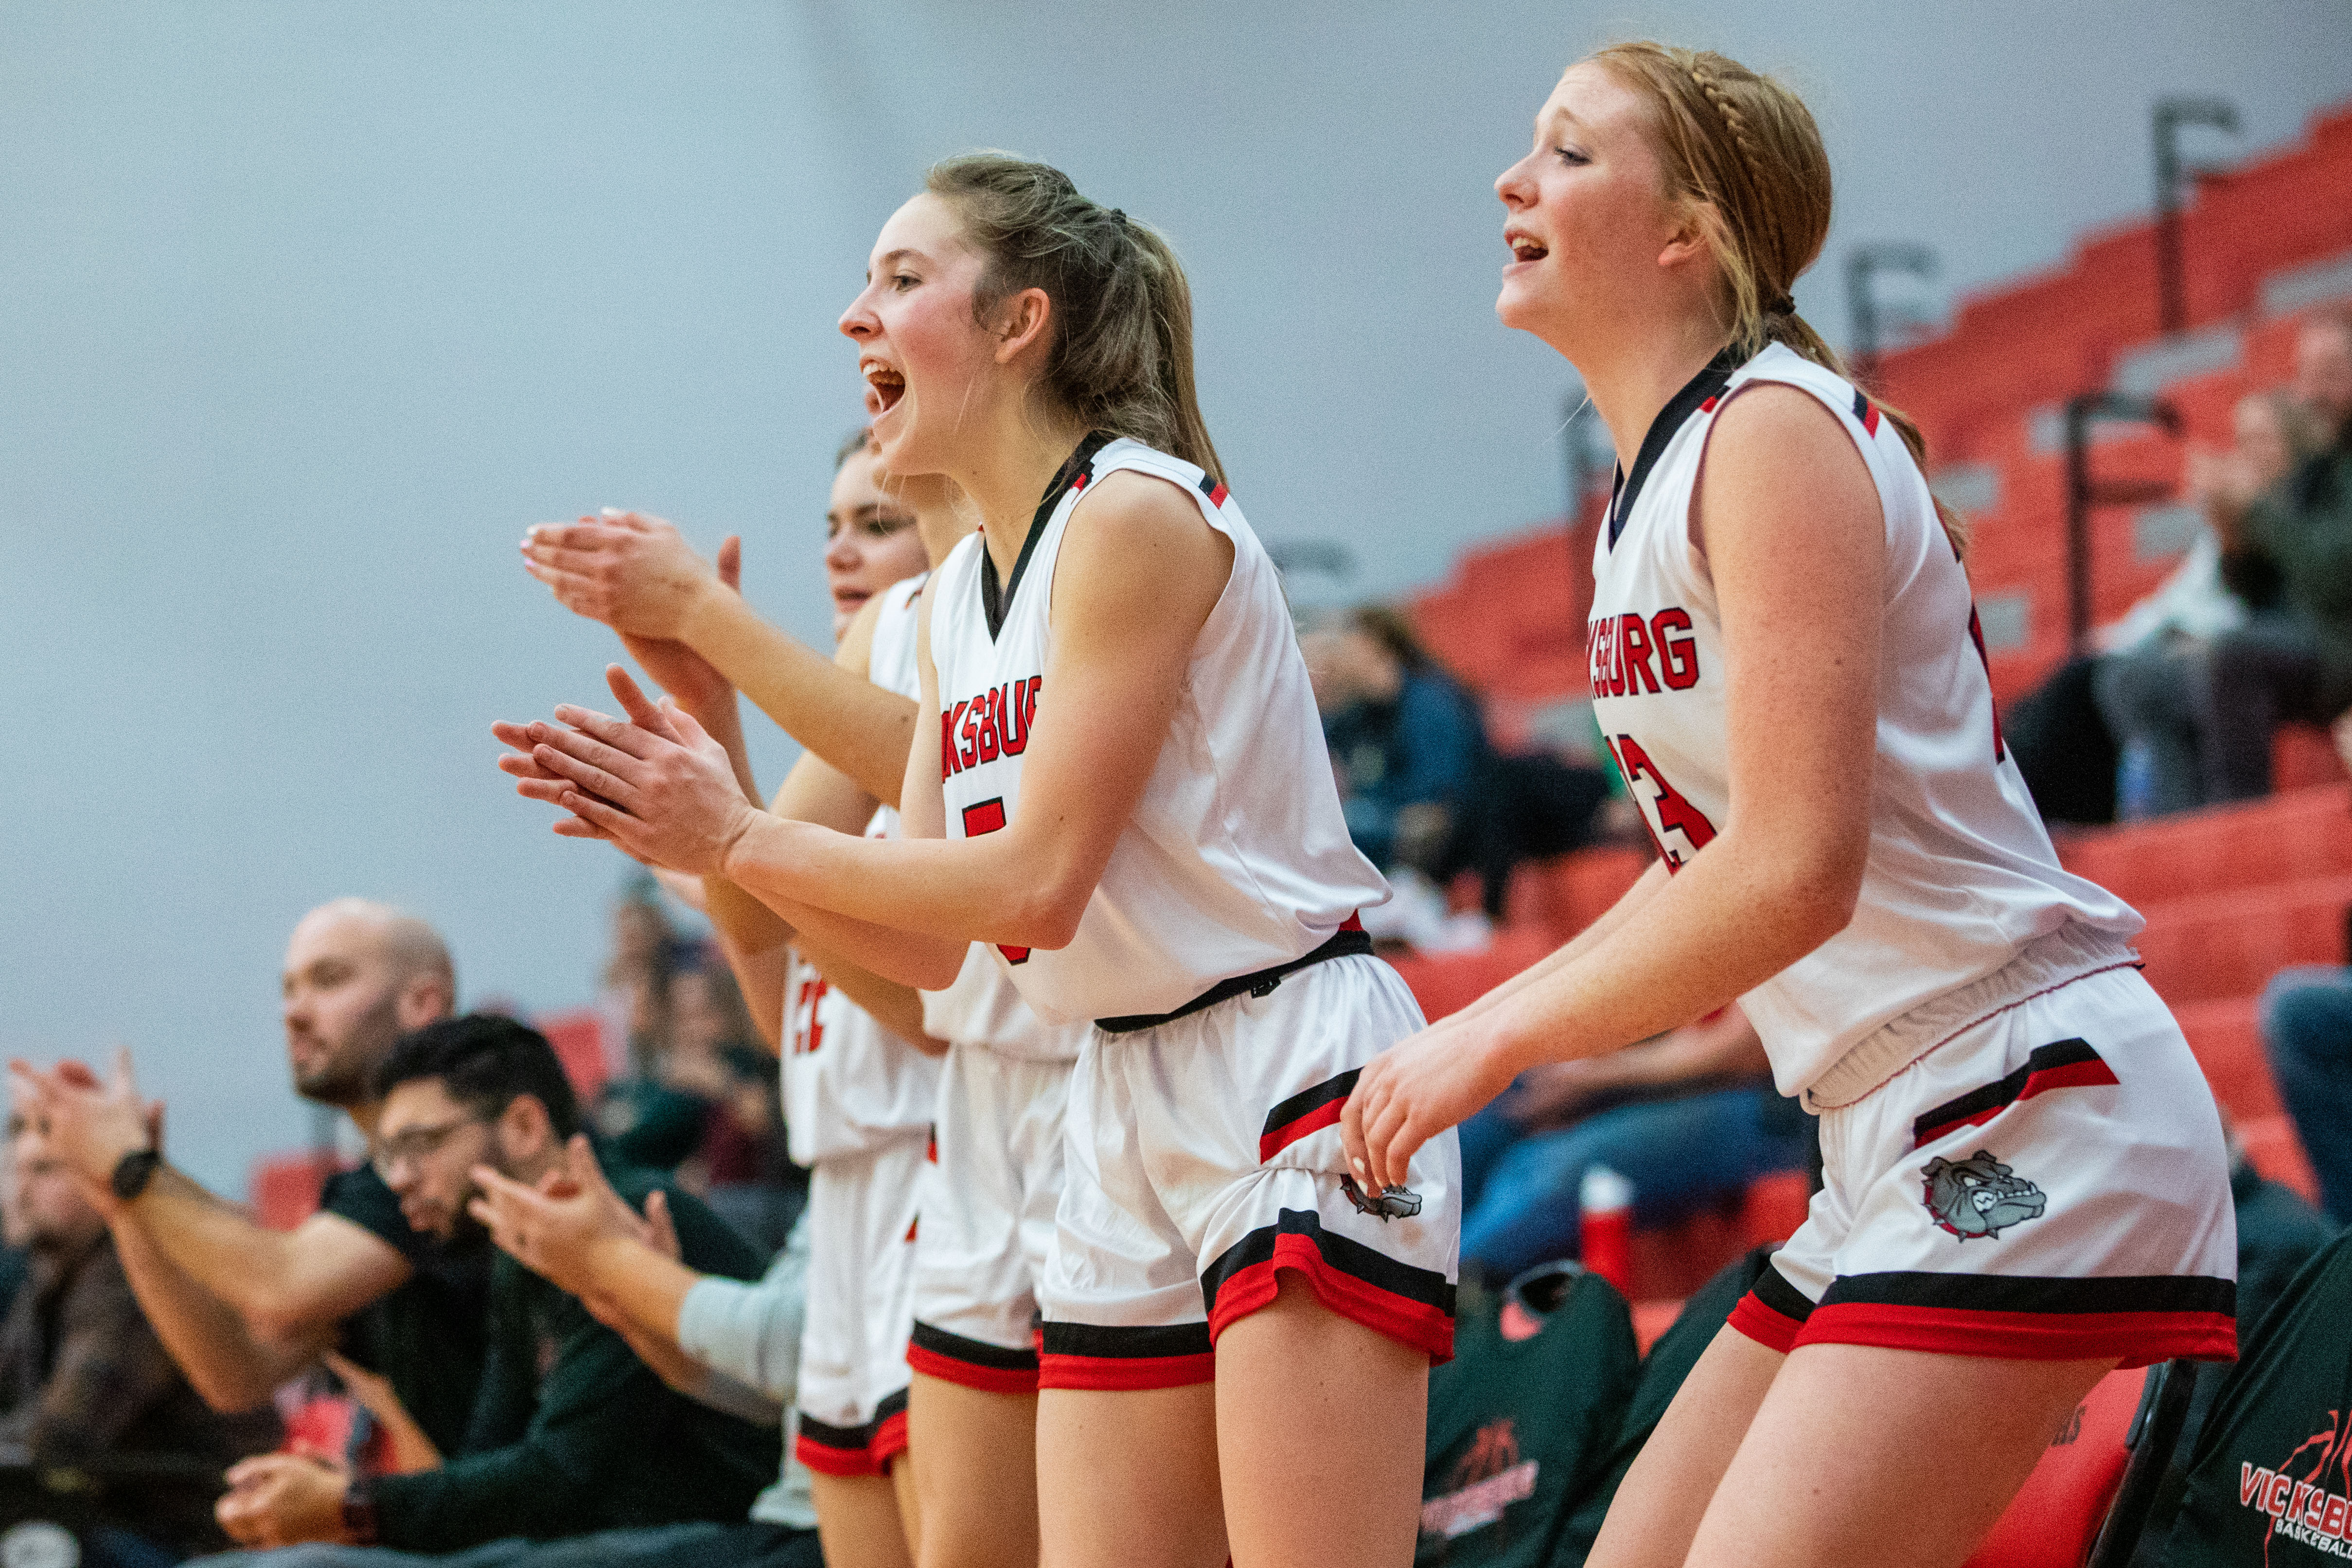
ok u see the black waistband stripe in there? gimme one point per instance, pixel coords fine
(1343, 944)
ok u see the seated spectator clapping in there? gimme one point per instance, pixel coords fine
(570, 1433)
(85, 1384)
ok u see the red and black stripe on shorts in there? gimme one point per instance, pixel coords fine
(1412, 1306)
(1092, 1355)
(971, 1363)
(862, 1450)
(2142, 1318)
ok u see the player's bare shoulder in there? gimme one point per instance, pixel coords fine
(1142, 536)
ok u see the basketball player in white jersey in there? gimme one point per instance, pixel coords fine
(2025, 1178)
(1119, 782)
(859, 1092)
(988, 1192)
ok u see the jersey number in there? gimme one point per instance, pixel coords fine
(1675, 814)
(808, 1028)
(988, 817)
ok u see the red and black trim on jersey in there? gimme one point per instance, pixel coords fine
(1215, 488)
(2065, 1064)
(1309, 1110)
(2143, 1319)
(861, 1450)
(1699, 396)
(1865, 411)
(971, 1363)
(1071, 476)
(1412, 1306)
(1090, 1355)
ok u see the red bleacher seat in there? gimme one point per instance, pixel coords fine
(2054, 1520)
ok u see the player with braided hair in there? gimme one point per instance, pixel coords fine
(2025, 1180)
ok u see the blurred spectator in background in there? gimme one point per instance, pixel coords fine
(1404, 737)
(1423, 789)
(732, 1346)
(2152, 663)
(571, 1432)
(741, 1166)
(86, 1384)
(633, 997)
(242, 1308)
(1689, 1118)
(2223, 616)
(2308, 1032)
(2289, 558)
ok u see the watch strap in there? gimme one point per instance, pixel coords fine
(133, 1171)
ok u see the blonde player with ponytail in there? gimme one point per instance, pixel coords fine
(2025, 1181)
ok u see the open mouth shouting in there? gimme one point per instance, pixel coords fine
(884, 386)
(1525, 246)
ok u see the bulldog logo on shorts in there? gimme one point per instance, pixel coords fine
(1980, 1196)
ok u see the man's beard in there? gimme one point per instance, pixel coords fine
(341, 1078)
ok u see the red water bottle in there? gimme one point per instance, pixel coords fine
(1606, 1200)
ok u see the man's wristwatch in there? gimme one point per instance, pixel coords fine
(359, 1512)
(133, 1171)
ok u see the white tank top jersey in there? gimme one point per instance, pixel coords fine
(1237, 858)
(850, 1084)
(982, 1006)
(1960, 873)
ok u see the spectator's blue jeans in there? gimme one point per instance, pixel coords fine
(1519, 1191)
(2307, 1030)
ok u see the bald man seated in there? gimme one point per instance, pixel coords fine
(241, 1308)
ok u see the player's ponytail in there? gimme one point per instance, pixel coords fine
(1744, 154)
(1121, 356)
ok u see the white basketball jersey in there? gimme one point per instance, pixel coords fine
(1961, 872)
(1237, 858)
(850, 1084)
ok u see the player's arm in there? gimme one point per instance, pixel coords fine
(637, 575)
(1138, 573)
(1795, 541)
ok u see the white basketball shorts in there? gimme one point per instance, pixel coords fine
(1205, 1159)
(2046, 1183)
(989, 1199)
(861, 1306)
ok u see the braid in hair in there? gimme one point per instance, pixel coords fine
(1742, 153)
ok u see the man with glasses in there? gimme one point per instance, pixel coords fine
(572, 1433)
(241, 1308)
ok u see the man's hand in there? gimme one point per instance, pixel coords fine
(284, 1500)
(411, 1449)
(89, 1124)
(634, 572)
(654, 783)
(677, 668)
(1415, 1089)
(556, 1228)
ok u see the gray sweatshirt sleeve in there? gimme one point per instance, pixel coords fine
(752, 1333)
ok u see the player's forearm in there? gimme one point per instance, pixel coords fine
(757, 942)
(1731, 920)
(1018, 888)
(230, 1367)
(858, 727)
(896, 1007)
